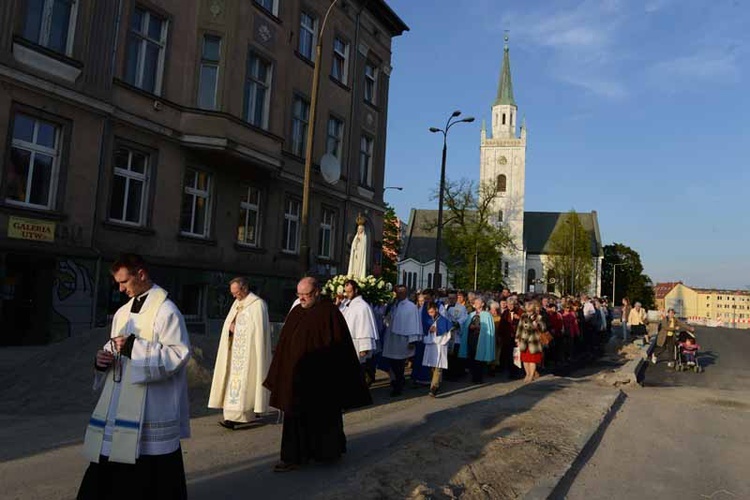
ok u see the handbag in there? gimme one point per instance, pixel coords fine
(545, 338)
(517, 356)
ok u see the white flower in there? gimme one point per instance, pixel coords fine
(340, 290)
(388, 287)
(380, 285)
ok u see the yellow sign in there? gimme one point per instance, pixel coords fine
(31, 229)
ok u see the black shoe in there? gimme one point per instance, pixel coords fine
(227, 424)
(285, 467)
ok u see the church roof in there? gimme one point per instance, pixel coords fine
(538, 228)
(419, 243)
(505, 86)
(420, 236)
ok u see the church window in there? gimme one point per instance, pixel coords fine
(403, 278)
(503, 118)
(429, 280)
(511, 118)
(500, 216)
(502, 183)
(506, 271)
(531, 278)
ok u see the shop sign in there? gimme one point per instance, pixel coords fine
(31, 229)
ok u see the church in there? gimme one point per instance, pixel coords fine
(502, 163)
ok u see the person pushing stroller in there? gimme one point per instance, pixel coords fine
(667, 338)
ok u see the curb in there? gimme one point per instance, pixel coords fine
(558, 485)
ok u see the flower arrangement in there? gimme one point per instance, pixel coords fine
(375, 291)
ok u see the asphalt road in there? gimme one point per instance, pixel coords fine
(683, 435)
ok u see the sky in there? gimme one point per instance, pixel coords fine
(638, 109)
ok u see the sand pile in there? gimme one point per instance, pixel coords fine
(58, 379)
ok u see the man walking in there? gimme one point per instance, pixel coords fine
(404, 330)
(133, 437)
(243, 359)
(361, 322)
(314, 375)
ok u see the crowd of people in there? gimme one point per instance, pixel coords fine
(326, 357)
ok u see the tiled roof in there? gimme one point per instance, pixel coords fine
(662, 289)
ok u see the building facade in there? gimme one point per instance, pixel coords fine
(416, 265)
(713, 307)
(177, 130)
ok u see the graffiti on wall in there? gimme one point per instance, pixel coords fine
(72, 296)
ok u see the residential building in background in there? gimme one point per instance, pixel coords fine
(177, 129)
(709, 306)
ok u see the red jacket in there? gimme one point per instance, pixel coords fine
(555, 321)
(570, 323)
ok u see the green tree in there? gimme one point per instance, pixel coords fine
(472, 235)
(391, 244)
(631, 281)
(570, 260)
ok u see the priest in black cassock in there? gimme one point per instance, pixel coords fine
(314, 376)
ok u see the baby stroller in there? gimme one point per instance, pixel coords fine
(686, 362)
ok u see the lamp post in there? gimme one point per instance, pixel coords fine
(304, 229)
(398, 188)
(614, 280)
(436, 281)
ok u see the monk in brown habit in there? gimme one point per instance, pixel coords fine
(314, 376)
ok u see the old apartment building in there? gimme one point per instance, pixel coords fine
(177, 129)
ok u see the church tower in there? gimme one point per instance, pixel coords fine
(503, 164)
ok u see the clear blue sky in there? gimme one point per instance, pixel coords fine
(638, 109)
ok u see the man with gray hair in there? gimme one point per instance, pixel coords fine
(243, 359)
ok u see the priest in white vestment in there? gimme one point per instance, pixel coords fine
(361, 321)
(133, 436)
(404, 329)
(243, 359)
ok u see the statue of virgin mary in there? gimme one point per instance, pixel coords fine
(358, 254)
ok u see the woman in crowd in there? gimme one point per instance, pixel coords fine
(478, 332)
(530, 327)
(624, 318)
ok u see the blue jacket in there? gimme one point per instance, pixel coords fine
(486, 345)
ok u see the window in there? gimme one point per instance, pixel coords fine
(506, 270)
(248, 226)
(335, 137)
(291, 227)
(271, 6)
(403, 278)
(429, 280)
(503, 118)
(308, 31)
(500, 216)
(300, 115)
(365, 161)
(340, 66)
(51, 24)
(196, 200)
(145, 54)
(257, 90)
(31, 177)
(530, 279)
(192, 302)
(129, 187)
(209, 72)
(325, 239)
(370, 82)
(502, 183)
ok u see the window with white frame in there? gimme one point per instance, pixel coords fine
(371, 81)
(325, 235)
(257, 90)
(308, 33)
(196, 203)
(51, 24)
(300, 117)
(290, 243)
(271, 6)
(335, 136)
(129, 200)
(31, 176)
(147, 40)
(340, 65)
(248, 226)
(365, 161)
(209, 72)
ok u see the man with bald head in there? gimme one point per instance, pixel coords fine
(314, 376)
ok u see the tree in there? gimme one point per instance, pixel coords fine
(391, 245)
(472, 235)
(570, 260)
(631, 281)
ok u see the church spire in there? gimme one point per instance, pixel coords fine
(505, 87)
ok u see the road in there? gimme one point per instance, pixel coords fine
(683, 435)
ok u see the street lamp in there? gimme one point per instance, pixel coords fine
(614, 280)
(451, 121)
(398, 188)
(305, 236)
